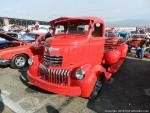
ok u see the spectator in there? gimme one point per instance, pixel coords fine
(5, 28)
(141, 52)
(27, 31)
(49, 33)
(125, 35)
(142, 47)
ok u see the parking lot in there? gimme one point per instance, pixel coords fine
(129, 89)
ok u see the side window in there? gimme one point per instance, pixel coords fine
(60, 29)
(97, 30)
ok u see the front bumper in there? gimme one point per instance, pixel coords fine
(4, 62)
(64, 90)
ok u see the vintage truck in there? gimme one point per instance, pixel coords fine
(15, 52)
(78, 58)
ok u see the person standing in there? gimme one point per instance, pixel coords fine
(49, 33)
(141, 49)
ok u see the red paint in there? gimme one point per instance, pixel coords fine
(136, 39)
(74, 52)
(23, 48)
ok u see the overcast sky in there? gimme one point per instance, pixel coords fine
(110, 10)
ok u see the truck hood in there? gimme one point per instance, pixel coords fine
(65, 40)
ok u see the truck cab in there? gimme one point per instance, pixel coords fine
(75, 59)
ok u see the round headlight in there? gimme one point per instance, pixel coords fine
(79, 74)
(30, 61)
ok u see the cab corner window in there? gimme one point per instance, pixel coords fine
(97, 30)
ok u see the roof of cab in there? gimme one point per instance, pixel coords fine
(95, 19)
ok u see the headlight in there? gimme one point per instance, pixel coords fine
(30, 61)
(79, 74)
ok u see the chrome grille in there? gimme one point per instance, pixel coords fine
(53, 60)
(55, 76)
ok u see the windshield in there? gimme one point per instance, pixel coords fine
(29, 37)
(3, 40)
(72, 27)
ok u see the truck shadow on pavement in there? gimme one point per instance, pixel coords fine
(129, 90)
(30, 88)
(51, 109)
(1, 103)
(3, 67)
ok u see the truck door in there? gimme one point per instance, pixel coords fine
(97, 42)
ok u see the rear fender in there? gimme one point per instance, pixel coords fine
(123, 48)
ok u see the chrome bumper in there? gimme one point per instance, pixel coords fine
(4, 62)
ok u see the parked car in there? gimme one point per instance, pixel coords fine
(29, 37)
(1, 30)
(15, 52)
(136, 40)
(77, 58)
(14, 34)
(16, 31)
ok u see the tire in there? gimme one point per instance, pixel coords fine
(97, 89)
(18, 62)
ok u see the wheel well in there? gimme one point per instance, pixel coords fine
(26, 55)
(23, 54)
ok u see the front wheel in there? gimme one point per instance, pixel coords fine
(19, 61)
(97, 89)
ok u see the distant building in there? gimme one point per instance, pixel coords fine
(126, 29)
(22, 22)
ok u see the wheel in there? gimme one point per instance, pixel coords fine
(97, 89)
(19, 61)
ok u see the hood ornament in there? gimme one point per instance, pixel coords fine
(50, 49)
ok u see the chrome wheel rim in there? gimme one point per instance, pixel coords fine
(20, 61)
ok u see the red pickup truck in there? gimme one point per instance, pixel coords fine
(77, 58)
(15, 52)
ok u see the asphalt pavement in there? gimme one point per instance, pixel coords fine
(128, 91)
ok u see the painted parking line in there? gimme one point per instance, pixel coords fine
(12, 105)
(16, 106)
(32, 104)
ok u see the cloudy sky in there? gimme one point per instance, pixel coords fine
(110, 10)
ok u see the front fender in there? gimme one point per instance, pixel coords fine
(11, 52)
(87, 84)
(34, 67)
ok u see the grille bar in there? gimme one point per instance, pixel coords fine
(55, 76)
(53, 60)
